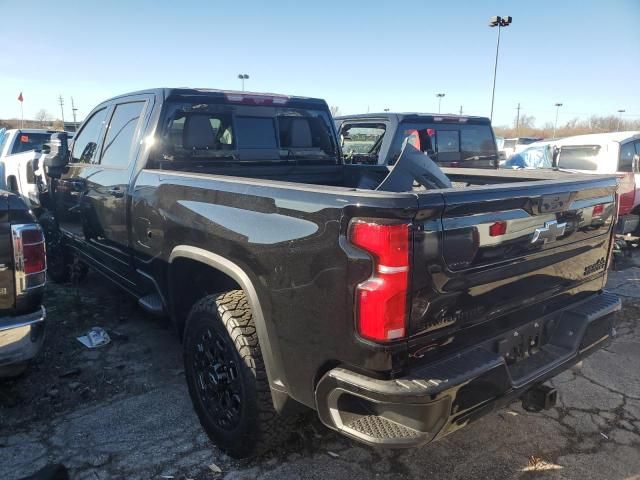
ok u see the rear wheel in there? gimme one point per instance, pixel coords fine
(227, 378)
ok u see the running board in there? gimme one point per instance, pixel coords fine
(152, 303)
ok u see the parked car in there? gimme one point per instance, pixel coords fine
(20, 152)
(22, 281)
(397, 310)
(515, 145)
(608, 153)
(450, 140)
(536, 155)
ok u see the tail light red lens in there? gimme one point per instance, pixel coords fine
(598, 210)
(626, 193)
(381, 301)
(29, 257)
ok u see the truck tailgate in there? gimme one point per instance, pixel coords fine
(505, 254)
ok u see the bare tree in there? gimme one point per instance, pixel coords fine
(335, 110)
(43, 117)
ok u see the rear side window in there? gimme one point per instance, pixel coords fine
(445, 142)
(117, 143)
(256, 133)
(86, 142)
(579, 157)
(627, 151)
(29, 141)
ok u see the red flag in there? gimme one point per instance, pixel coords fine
(20, 98)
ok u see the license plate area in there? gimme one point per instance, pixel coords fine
(523, 342)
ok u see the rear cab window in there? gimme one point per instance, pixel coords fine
(361, 142)
(450, 144)
(210, 131)
(26, 141)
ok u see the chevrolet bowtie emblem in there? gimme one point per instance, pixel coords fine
(549, 233)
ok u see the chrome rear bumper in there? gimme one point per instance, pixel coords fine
(21, 336)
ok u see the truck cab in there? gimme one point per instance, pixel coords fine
(449, 140)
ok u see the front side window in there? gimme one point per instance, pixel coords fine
(86, 142)
(26, 141)
(117, 143)
(579, 157)
(627, 151)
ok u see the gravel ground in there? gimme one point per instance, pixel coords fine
(123, 411)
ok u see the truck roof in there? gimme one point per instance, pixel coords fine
(598, 138)
(167, 92)
(413, 116)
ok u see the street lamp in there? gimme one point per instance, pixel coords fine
(621, 111)
(555, 125)
(497, 22)
(243, 77)
(386, 109)
(439, 95)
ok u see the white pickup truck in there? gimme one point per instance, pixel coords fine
(20, 151)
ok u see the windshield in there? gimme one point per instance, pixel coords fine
(29, 141)
(579, 157)
(208, 132)
(447, 143)
(532, 157)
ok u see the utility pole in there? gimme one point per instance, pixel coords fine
(61, 102)
(73, 111)
(460, 109)
(518, 120)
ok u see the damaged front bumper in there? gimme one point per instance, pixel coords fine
(441, 397)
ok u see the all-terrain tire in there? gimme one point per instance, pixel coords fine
(226, 319)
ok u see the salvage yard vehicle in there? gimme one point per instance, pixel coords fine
(20, 153)
(397, 306)
(449, 140)
(608, 153)
(22, 281)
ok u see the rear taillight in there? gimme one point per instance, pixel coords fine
(29, 257)
(626, 193)
(381, 301)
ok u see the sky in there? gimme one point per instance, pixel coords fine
(358, 55)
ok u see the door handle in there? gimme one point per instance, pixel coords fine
(116, 192)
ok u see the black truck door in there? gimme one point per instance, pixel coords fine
(71, 188)
(105, 211)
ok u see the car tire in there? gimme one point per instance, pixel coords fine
(227, 378)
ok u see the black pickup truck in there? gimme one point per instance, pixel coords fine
(22, 282)
(295, 280)
(450, 140)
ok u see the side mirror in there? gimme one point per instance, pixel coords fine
(56, 154)
(636, 163)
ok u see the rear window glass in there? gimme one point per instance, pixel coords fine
(579, 157)
(627, 151)
(29, 141)
(256, 132)
(262, 133)
(361, 139)
(446, 142)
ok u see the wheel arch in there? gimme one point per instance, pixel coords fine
(268, 341)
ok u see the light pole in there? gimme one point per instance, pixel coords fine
(439, 95)
(621, 111)
(555, 125)
(497, 22)
(243, 77)
(386, 109)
